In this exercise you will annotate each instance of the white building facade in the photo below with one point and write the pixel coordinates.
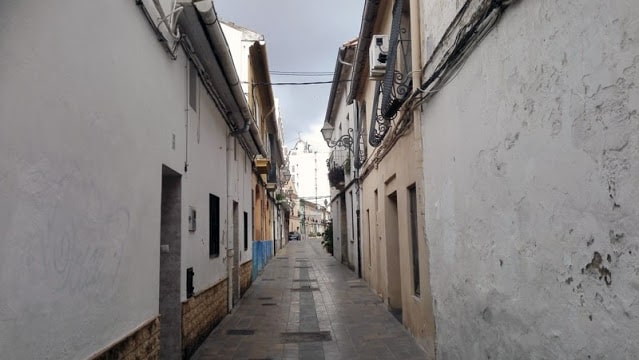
(507, 134)
(111, 183)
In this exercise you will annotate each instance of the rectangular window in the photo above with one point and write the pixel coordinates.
(412, 196)
(245, 231)
(214, 226)
(189, 282)
(192, 86)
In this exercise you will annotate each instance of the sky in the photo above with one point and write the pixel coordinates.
(300, 36)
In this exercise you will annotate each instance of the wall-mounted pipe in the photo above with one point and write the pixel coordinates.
(364, 40)
(220, 48)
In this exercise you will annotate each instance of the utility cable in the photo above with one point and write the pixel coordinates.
(295, 83)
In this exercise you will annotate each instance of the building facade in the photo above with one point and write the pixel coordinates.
(269, 216)
(127, 215)
(499, 190)
(531, 180)
(343, 134)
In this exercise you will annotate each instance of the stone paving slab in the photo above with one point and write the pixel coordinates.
(305, 305)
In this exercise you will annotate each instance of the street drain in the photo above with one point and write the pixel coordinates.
(269, 304)
(302, 337)
(305, 289)
(298, 280)
(283, 257)
(265, 298)
(303, 267)
(240, 332)
(357, 286)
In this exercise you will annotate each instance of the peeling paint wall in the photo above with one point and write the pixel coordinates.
(531, 161)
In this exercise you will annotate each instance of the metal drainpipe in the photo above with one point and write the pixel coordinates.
(357, 188)
(416, 44)
(230, 251)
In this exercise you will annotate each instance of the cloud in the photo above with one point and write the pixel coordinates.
(299, 36)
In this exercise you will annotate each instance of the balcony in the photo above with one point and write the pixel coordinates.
(262, 165)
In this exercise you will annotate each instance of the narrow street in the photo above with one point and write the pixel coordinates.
(306, 305)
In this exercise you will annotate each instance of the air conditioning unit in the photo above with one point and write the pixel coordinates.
(377, 56)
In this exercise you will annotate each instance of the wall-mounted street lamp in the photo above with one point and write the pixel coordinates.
(344, 141)
(286, 176)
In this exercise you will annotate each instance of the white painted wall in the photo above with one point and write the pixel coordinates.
(89, 102)
(530, 164)
(239, 52)
(216, 166)
(345, 118)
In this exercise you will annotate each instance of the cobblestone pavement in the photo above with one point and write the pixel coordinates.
(306, 305)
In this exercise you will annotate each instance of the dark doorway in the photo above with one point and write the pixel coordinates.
(343, 229)
(170, 257)
(359, 246)
(392, 255)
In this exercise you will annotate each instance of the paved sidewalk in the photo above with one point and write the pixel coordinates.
(306, 305)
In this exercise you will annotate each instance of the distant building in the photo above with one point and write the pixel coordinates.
(308, 167)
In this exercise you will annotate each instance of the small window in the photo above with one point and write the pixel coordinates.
(214, 226)
(192, 219)
(245, 231)
(235, 148)
(189, 282)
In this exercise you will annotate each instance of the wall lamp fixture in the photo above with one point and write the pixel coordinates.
(286, 176)
(344, 141)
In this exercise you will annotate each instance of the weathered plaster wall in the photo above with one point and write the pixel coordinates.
(531, 161)
(439, 14)
(89, 114)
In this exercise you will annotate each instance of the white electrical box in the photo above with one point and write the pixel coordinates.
(378, 55)
(192, 219)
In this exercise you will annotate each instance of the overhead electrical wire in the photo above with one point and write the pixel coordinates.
(301, 73)
(296, 83)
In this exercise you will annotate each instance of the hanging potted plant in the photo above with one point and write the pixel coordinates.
(336, 176)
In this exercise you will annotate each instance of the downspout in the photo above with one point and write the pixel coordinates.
(416, 42)
(230, 251)
(223, 54)
(416, 60)
(365, 35)
(186, 124)
(357, 190)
